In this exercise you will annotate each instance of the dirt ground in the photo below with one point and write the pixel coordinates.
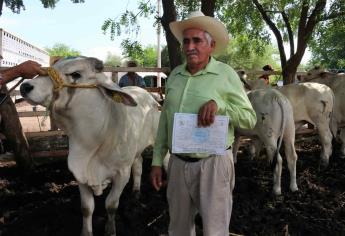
(46, 202)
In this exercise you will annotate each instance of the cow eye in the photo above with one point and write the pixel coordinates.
(75, 75)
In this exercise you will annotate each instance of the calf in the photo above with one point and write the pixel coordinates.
(274, 124)
(313, 103)
(337, 83)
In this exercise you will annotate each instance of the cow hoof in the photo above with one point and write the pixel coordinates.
(85, 233)
(277, 192)
(294, 188)
(323, 164)
(136, 195)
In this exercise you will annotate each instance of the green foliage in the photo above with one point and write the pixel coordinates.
(328, 47)
(127, 22)
(17, 5)
(150, 56)
(60, 49)
(242, 53)
(112, 60)
(132, 50)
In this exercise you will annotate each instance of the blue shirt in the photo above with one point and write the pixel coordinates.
(126, 81)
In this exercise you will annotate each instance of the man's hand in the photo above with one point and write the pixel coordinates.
(26, 70)
(156, 177)
(29, 69)
(207, 113)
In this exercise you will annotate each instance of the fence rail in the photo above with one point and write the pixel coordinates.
(114, 74)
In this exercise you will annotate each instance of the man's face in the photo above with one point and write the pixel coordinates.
(196, 47)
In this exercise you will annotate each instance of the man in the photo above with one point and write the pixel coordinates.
(132, 78)
(10, 124)
(200, 182)
(266, 78)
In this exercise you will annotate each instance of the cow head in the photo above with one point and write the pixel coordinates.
(315, 73)
(70, 76)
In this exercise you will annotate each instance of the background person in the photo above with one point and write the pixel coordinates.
(266, 77)
(132, 78)
(199, 182)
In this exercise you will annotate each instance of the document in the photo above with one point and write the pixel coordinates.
(189, 138)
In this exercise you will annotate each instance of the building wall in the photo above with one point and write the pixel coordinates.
(15, 50)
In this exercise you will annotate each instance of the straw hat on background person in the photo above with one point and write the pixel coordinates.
(198, 20)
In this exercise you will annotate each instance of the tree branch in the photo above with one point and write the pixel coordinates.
(1, 6)
(275, 30)
(207, 7)
(333, 15)
(290, 32)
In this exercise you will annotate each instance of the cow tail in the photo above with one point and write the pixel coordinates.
(333, 119)
(283, 125)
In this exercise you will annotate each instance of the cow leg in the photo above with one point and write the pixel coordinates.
(271, 150)
(112, 201)
(235, 147)
(137, 169)
(326, 142)
(87, 208)
(291, 157)
(256, 148)
(342, 140)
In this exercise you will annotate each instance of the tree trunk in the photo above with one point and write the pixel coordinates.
(207, 7)
(1, 6)
(12, 129)
(169, 15)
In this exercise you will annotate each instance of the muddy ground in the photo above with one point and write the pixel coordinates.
(47, 201)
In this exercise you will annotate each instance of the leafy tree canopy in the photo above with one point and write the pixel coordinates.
(328, 47)
(60, 49)
(242, 54)
(17, 5)
(112, 60)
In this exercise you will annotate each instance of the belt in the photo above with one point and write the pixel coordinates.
(192, 159)
(187, 159)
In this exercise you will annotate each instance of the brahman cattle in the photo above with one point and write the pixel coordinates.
(337, 83)
(108, 128)
(274, 124)
(312, 103)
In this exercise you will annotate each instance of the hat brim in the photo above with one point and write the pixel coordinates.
(214, 27)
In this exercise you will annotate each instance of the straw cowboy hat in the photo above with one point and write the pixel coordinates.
(198, 20)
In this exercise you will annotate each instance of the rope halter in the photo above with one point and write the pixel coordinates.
(60, 84)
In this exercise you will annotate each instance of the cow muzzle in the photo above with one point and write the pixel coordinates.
(25, 89)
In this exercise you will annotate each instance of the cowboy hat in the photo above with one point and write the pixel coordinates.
(198, 20)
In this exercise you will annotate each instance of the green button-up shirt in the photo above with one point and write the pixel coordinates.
(186, 93)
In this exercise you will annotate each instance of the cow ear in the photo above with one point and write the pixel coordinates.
(97, 64)
(124, 98)
(114, 91)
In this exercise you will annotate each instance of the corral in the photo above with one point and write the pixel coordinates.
(46, 202)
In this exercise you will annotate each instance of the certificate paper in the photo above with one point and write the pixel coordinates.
(189, 138)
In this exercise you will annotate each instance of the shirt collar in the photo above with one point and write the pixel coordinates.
(210, 68)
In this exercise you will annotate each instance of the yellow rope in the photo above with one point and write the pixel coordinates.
(59, 83)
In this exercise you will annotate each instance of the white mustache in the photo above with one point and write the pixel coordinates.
(192, 52)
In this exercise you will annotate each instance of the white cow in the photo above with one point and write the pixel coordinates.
(274, 124)
(108, 128)
(337, 83)
(311, 102)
